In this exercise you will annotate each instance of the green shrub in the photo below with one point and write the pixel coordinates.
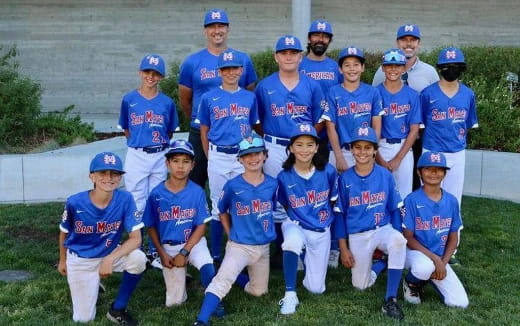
(170, 87)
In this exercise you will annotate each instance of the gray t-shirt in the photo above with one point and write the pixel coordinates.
(419, 76)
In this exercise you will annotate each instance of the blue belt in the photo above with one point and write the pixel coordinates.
(224, 149)
(320, 230)
(277, 140)
(346, 146)
(393, 140)
(153, 149)
(173, 243)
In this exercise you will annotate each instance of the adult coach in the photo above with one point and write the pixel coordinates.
(199, 74)
(418, 75)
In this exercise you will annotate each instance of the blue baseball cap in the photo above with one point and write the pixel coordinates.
(180, 146)
(215, 16)
(451, 55)
(153, 62)
(428, 159)
(394, 57)
(408, 30)
(106, 161)
(303, 129)
(229, 58)
(364, 133)
(251, 143)
(351, 51)
(288, 42)
(321, 26)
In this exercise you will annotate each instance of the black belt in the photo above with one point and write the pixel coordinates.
(346, 146)
(224, 149)
(153, 149)
(276, 140)
(393, 140)
(173, 243)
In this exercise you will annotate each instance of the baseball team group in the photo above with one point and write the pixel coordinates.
(308, 168)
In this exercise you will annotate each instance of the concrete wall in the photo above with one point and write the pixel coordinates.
(86, 52)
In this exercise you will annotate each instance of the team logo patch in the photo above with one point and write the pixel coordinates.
(435, 158)
(215, 15)
(363, 132)
(228, 56)
(64, 216)
(321, 26)
(289, 41)
(451, 54)
(109, 159)
(153, 60)
(305, 128)
(352, 51)
(408, 28)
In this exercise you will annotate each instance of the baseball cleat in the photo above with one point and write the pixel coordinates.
(199, 323)
(454, 261)
(121, 317)
(288, 304)
(156, 263)
(412, 292)
(391, 309)
(333, 258)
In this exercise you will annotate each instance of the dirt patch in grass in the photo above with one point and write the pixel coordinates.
(29, 233)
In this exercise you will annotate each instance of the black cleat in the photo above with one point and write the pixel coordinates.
(120, 317)
(391, 309)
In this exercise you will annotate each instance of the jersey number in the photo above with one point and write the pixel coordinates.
(266, 225)
(108, 243)
(156, 137)
(187, 234)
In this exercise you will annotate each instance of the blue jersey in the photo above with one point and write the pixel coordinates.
(402, 109)
(229, 115)
(93, 232)
(325, 72)
(251, 209)
(308, 201)
(431, 222)
(366, 202)
(199, 73)
(280, 109)
(176, 215)
(148, 121)
(352, 110)
(446, 120)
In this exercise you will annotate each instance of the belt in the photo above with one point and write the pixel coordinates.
(153, 149)
(309, 228)
(277, 140)
(393, 140)
(224, 149)
(173, 243)
(346, 146)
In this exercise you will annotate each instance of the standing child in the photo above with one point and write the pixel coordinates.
(175, 214)
(307, 188)
(370, 219)
(92, 225)
(225, 114)
(246, 210)
(431, 225)
(400, 121)
(148, 118)
(352, 104)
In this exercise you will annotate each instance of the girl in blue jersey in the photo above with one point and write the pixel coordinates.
(431, 224)
(307, 188)
(92, 225)
(175, 214)
(370, 219)
(246, 210)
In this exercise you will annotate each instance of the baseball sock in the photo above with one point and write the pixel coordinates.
(334, 245)
(290, 269)
(392, 282)
(128, 285)
(206, 274)
(242, 280)
(216, 231)
(410, 278)
(209, 304)
(379, 266)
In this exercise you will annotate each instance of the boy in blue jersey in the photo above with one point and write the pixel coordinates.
(225, 114)
(351, 105)
(175, 214)
(307, 189)
(400, 122)
(246, 210)
(370, 219)
(431, 224)
(92, 225)
(148, 118)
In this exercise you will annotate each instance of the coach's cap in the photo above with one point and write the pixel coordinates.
(180, 146)
(394, 57)
(351, 51)
(288, 42)
(303, 129)
(215, 16)
(251, 143)
(106, 161)
(428, 159)
(450, 55)
(229, 58)
(153, 62)
(408, 30)
(364, 133)
(321, 26)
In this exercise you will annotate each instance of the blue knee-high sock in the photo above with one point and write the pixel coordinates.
(216, 231)
(242, 280)
(410, 278)
(290, 269)
(209, 305)
(392, 282)
(279, 236)
(379, 266)
(334, 245)
(206, 274)
(128, 285)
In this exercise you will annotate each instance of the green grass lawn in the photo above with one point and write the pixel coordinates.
(489, 255)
